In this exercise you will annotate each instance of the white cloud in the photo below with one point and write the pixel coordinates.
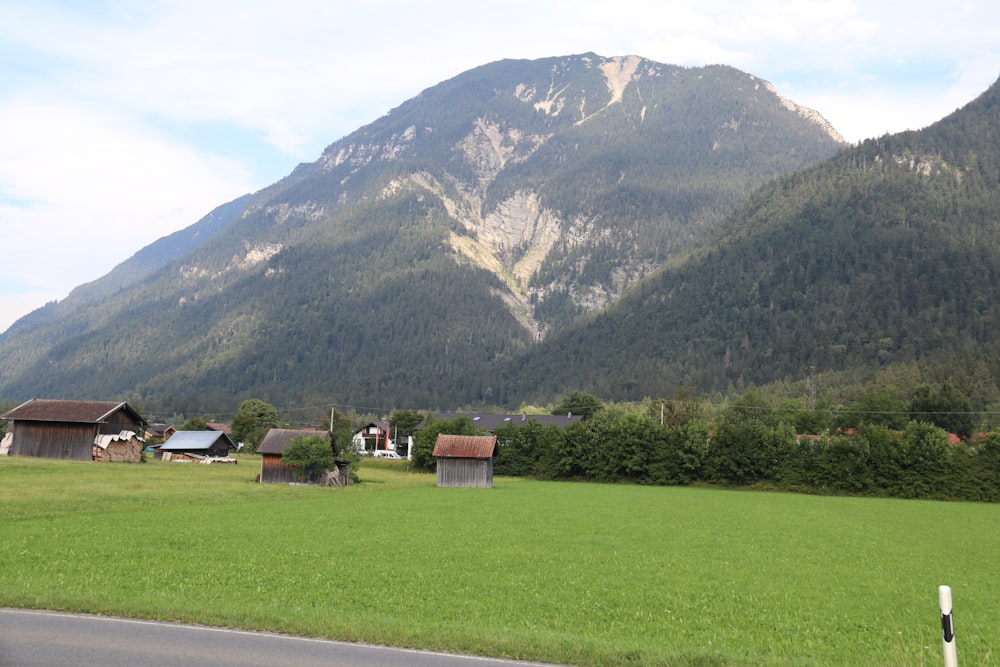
(82, 191)
(125, 120)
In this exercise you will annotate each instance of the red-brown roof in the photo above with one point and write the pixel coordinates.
(88, 412)
(465, 446)
(276, 439)
(217, 426)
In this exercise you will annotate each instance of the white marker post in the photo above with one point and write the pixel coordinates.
(947, 627)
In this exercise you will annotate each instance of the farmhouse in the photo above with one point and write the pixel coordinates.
(67, 429)
(465, 460)
(195, 446)
(159, 431)
(373, 436)
(271, 448)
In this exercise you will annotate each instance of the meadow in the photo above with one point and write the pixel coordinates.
(570, 573)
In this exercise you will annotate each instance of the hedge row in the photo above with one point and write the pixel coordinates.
(872, 460)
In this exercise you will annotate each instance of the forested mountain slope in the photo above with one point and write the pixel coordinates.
(460, 229)
(136, 268)
(887, 253)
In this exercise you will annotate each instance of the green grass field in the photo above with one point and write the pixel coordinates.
(574, 573)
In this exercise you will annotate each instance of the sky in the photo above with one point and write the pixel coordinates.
(122, 121)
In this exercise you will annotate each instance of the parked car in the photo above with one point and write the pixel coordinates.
(387, 454)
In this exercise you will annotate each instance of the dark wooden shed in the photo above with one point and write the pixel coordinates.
(465, 460)
(67, 429)
(195, 445)
(271, 447)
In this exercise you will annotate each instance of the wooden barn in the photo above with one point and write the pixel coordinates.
(67, 429)
(159, 431)
(465, 460)
(271, 447)
(195, 446)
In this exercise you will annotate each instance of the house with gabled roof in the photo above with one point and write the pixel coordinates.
(195, 446)
(271, 448)
(159, 431)
(465, 460)
(372, 437)
(64, 429)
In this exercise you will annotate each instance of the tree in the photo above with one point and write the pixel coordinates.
(683, 407)
(403, 423)
(946, 408)
(922, 454)
(309, 456)
(194, 424)
(341, 432)
(749, 444)
(252, 421)
(882, 406)
(578, 403)
(423, 445)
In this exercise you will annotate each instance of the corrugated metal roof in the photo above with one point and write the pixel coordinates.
(464, 446)
(193, 441)
(88, 412)
(276, 439)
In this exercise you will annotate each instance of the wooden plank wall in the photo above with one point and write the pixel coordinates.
(273, 471)
(476, 473)
(54, 440)
(120, 421)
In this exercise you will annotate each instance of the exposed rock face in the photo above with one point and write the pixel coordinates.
(505, 203)
(514, 236)
(805, 112)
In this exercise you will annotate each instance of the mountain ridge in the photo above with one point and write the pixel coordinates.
(459, 229)
(884, 255)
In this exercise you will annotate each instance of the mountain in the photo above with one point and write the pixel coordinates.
(886, 255)
(473, 222)
(136, 268)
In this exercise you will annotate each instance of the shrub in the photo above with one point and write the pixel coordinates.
(309, 456)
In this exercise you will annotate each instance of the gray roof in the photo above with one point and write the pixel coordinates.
(276, 439)
(195, 441)
(489, 422)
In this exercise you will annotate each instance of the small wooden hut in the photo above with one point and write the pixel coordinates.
(195, 446)
(465, 460)
(271, 448)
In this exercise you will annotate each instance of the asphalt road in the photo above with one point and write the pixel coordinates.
(49, 639)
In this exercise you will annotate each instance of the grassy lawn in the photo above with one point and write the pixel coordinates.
(583, 574)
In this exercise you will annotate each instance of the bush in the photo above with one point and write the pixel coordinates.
(423, 441)
(309, 456)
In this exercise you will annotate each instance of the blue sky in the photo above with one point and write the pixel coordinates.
(122, 121)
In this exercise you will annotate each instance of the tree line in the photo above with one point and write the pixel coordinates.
(866, 451)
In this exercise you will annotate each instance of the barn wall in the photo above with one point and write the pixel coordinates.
(477, 473)
(220, 448)
(273, 471)
(53, 440)
(120, 421)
